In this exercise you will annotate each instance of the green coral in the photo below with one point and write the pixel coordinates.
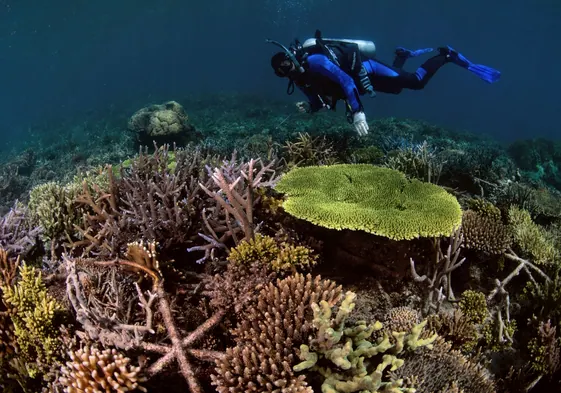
(33, 312)
(348, 358)
(491, 331)
(279, 256)
(377, 200)
(474, 306)
(535, 241)
(484, 208)
(53, 205)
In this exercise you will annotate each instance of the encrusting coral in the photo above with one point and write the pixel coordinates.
(92, 370)
(377, 200)
(267, 338)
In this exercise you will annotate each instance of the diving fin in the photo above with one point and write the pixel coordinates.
(486, 73)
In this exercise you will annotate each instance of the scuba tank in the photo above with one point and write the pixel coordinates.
(366, 48)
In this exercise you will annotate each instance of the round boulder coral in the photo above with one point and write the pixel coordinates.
(165, 123)
(373, 199)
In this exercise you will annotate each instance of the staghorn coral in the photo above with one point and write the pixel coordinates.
(369, 198)
(91, 370)
(33, 313)
(18, 235)
(267, 337)
(485, 232)
(233, 188)
(484, 208)
(280, 257)
(441, 367)
(419, 161)
(307, 150)
(347, 357)
(151, 200)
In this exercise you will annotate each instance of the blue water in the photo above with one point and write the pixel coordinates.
(65, 59)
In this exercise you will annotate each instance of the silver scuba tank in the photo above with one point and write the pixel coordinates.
(366, 48)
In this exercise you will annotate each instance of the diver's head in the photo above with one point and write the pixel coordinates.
(282, 64)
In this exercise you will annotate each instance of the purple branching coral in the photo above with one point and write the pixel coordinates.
(17, 235)
(232, 217)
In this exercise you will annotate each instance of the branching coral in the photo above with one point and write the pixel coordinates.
(269, 334)
(345, 355)
(33, 313)
(441, 367)
(92, 370)
(438, 278)
(307, 150)
(17, 233)
(485, 233)
(153, 199)
(54, 206)
(533, 240)
(280, 257)
(234, 192)
(373, 199)
(545, 350)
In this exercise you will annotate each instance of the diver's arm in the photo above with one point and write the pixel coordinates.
(314, 102)
(323, 66)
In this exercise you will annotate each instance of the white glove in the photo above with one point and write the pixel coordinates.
(360, 124)
(303, 107)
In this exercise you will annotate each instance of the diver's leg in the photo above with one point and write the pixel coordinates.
(402, 54)
(391, 80)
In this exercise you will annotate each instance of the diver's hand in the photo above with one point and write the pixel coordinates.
(360, 124)
(303, 107)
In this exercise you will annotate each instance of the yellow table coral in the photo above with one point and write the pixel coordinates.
(373, 199)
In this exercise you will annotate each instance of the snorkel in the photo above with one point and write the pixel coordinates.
(289, 53)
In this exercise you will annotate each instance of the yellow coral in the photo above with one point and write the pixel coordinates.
(33, 314)
(281, 257)
(364, 197)
(474, 306)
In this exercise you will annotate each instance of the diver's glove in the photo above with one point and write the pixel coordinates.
(304, 107)
(360, 124)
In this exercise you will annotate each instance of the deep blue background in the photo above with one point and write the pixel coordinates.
(61, 59)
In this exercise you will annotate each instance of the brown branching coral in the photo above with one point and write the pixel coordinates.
(267, 338)
(153, 199)
(143, 259)
(308, 150)
(485, 233)
(441, 367)
(91, 370)
(438, 279)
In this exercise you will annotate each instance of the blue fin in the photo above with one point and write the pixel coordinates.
(486, 73)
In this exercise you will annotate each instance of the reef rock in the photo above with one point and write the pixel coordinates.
(165, 123)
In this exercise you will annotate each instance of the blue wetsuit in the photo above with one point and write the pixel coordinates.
(324, 82)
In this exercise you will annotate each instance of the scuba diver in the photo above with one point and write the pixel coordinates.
(329, 70)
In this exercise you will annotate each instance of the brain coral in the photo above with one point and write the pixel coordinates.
(374, 199)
